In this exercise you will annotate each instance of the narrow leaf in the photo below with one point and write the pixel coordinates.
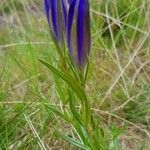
(74, 111)
(74, 142)
(68, 79)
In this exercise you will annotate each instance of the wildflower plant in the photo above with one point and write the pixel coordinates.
(69, 22)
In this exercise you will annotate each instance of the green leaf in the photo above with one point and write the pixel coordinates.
(68, 79)
(77, 88)
(61, 91)
(59, 113)
(81, 131)
(74, 142)
(74, 111)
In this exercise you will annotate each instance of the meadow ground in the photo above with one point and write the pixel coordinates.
(118, 83)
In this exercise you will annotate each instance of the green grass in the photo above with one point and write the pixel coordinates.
(118, 83)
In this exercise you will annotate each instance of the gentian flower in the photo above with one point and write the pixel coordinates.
(78, 32)
(70, 20)
(56, 13)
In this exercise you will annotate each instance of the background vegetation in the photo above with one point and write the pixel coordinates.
(118, 83)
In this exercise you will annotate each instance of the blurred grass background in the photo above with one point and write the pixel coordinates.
(118, 83)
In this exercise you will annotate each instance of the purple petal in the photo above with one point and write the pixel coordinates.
(83, 31)
(70, 22)
(47, 10)
(56, 18)
(80, 29)
(53, 4)
(69, 1)
(78, 32)
(65, 10)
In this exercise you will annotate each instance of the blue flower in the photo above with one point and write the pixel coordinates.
(78, 32)
(70, 20)
(56, 13)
